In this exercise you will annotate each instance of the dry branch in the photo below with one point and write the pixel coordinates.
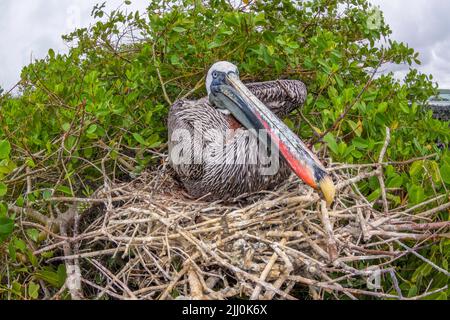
(150, 241)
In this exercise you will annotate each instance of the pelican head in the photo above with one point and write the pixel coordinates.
(227, 92)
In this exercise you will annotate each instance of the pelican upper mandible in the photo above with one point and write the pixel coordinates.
(215, 142)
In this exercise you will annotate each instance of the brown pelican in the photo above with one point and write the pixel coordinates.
(216, 143)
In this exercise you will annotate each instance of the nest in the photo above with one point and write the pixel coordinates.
(146, 239)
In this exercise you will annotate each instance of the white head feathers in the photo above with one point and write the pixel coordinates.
(221, 66)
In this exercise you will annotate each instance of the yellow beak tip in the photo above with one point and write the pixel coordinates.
(328, 189)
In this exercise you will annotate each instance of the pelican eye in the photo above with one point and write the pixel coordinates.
(215, 74)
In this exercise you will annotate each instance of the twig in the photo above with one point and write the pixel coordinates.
(431, 263)
(195, 285)
(265, 273)
(331, 245)
(272, 241)
(395, 283)
(73, 280)
(380, 170)
(166, 97)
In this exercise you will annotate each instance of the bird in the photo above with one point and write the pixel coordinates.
(233, 141)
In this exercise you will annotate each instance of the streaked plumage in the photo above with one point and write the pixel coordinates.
(220, 180)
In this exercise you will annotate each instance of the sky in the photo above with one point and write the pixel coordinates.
(425, 26)
(28, 28)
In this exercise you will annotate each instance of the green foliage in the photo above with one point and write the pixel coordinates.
(6, 227)
(104, 103)
(419, 274)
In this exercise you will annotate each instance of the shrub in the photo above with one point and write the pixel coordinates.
(100, 108)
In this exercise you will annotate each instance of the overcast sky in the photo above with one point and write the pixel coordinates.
(28, 28)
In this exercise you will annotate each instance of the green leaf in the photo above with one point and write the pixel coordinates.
(6, 227)
(33, 234)
(20, 245)
(16, 288)
(374, 195)
(30, 163)
(289, 123)
(416, 168)
(382, 107)
(139, 138)
(3, 189)
(404, 107)
(7, 166)
(396, 199)
(339, 81)
(12, 251)
(416, 194)
(445, 173)
(357, 154)
(175, 60)
(66, 126)
(33, 290)
(331, 142)
(422, 271)
(20, 201)
(324, 64)
(412, 291)
(54, 277)
(5, 149)
(414, 107)
(356, 127)
(3, 209)
(342, 147)
(332, 92)
(51, 53)
(433, 170)
(65, 190)
(214, 44)
(92, 128)
(360, 143)
(46, 194)
(179, 29)
(48, 276)
(395, 181)
(62, 274)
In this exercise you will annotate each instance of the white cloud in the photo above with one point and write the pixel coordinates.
(28, 28)
(425, 26)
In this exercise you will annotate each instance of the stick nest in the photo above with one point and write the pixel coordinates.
(146, 239)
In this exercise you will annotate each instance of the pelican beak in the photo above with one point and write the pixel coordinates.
(328, 189)
(228, 92)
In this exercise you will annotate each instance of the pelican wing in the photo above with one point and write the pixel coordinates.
(280, 96)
